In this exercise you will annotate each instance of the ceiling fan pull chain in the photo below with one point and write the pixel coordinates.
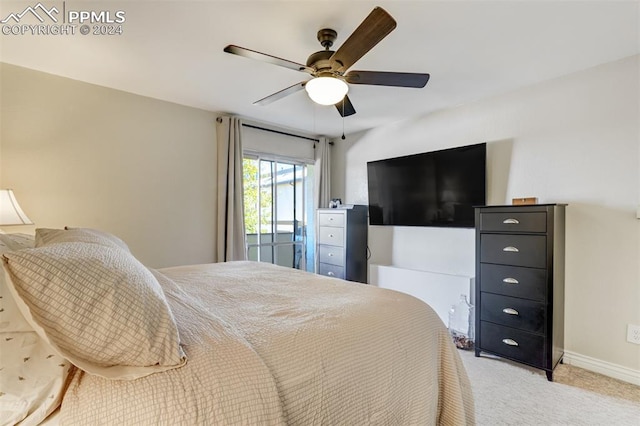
(343, 102)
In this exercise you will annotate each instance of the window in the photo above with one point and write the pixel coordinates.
(278, 206)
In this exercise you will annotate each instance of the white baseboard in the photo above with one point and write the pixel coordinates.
(602, 367)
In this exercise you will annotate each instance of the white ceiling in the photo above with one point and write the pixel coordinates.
(173, 50)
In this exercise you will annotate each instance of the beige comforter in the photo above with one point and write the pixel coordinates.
(272, 345)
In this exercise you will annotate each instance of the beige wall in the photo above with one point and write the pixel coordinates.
(570, 140)
(83, 155)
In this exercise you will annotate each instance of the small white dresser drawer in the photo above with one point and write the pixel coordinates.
(331, 236)
(332, 270)
(331, 254)
(331, 219)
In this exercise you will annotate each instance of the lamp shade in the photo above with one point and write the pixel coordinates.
(10, 211)
(326, 90)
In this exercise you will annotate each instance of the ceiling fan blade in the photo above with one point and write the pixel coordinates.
(281, 94)
(253, 54)
(374, 28)
(383, 78)
(345, 107)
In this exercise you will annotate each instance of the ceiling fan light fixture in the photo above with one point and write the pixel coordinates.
(326, 90)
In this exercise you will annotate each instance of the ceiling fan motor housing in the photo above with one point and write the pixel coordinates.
(320, 60)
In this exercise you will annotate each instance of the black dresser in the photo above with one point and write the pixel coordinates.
(342, 243)
(520, 283)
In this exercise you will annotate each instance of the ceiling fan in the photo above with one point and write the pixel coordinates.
(330, 69)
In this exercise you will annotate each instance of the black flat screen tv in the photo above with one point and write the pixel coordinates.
(438, 188)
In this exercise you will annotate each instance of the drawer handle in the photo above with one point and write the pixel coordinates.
(511, 249)
(511, 221)
(330, 273)
(330, 254)
(330, 219)
(510, 281)
(330, 235)
(510, 342)
(510, 311)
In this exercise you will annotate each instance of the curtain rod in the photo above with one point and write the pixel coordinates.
(279, 132)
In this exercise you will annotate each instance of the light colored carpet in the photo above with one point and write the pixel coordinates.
(508, 393)
(594, 382)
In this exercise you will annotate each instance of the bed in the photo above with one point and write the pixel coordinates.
(236, 343)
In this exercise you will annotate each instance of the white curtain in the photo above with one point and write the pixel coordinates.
(322, 172)
(230, 221)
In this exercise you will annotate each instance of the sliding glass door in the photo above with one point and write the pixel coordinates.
(278, 208)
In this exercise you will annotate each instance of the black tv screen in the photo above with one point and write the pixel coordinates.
(436, 188)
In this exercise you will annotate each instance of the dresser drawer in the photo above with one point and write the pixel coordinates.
(513, 312)
(512, 343)
(331, 270)
(331, 254)
(514, 222)
(331, 236)
(516, 250)
(331, 219)
(528, 283)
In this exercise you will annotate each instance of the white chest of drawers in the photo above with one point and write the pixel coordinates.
(342, 243)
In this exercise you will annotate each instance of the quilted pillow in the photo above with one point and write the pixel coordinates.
(45, 236)
(98, 306)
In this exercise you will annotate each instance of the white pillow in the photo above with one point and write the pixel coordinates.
(46, 236)
(32, 375)
(11, 319)
(98, 306)
(33, 378)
